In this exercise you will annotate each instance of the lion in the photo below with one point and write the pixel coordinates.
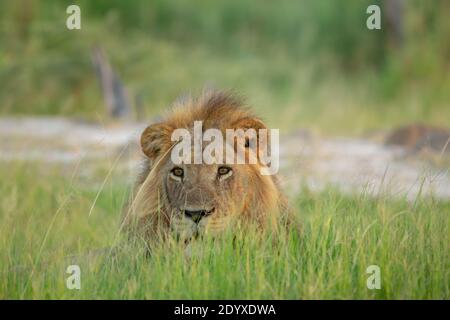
(190, 200)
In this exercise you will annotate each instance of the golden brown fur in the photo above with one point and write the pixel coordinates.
(158, 202)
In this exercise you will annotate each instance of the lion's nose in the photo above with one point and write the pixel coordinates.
(197, 215)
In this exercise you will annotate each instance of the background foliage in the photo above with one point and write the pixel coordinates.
(308, 63)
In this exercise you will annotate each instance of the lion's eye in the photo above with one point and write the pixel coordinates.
(178, 172)
(223, 170)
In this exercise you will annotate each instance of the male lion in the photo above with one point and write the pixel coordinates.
(195, 199)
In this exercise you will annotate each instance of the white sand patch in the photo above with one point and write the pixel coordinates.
(351, 165)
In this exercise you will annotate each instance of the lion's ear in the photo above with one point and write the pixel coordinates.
(155, 139)
(257, 125)
(250, 123)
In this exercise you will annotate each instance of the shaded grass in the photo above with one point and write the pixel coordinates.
(44, 219)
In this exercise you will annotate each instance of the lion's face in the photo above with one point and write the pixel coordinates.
(203, 198)
(194, 199)
(200, 197)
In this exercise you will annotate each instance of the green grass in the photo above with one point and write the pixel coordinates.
(44, 217)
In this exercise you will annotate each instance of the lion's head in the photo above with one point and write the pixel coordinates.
(192, 199)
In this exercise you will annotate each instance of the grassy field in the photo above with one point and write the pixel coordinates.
(44, 219)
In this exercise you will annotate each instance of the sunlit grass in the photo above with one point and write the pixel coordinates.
(45, 226)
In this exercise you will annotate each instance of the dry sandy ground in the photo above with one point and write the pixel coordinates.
(351, 165)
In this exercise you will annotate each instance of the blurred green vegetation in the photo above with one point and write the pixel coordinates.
(300, 63)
